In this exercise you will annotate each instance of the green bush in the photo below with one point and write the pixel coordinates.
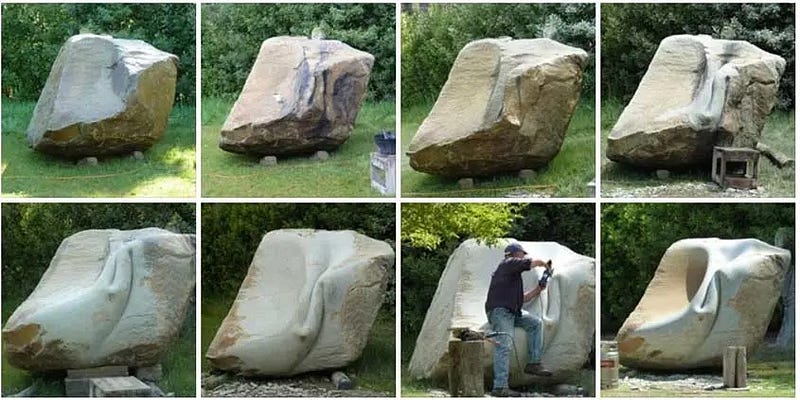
(631, 34)
(232, 36)
(32, 232)
(572, 225)
(635, 236)
(34, 33)
(232, 232)
(432, 39)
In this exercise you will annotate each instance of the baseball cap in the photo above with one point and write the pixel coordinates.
(514, 247)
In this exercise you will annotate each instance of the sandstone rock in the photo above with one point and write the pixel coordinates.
(307, 304)
(109, 297)
(302, 95)
(566, 308)
(706, 294)
(505, 107)
(698, 93)
(104, 96)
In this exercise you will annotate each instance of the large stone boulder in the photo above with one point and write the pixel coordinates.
(302, 95)
(104, 96)
(109, 297)
(566, 308)
(307, 303)
(706, 294)
(698, 93)
(505, 107)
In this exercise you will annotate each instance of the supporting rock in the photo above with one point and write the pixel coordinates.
(88, 161)
(321, 155)
(662, 174)
(138, 155)
(466, 183)
(734, 367)
(151, 373)
(123, 386)
(528, 175)
(341, 381)
(268, 161)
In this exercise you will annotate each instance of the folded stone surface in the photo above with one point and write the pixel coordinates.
(698, 93)
(307, 303)
(109, 297)
(505, 107)
(302, 95)
(566, 308)
(104, 96)
(706, 294)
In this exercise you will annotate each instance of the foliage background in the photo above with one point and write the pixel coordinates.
(33, 231)
(232, 35)
(237, 230)
(635, 236)
(572, 225)
(631, 34)
(34, 33)
(431, 40)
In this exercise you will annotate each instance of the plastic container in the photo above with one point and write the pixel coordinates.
(385, 140)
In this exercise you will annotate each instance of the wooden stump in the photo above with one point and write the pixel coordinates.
(734, 367)
(466, 368)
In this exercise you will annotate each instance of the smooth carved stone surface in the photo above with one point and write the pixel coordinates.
(566, 308)
(307, 303)
(104, 96)
(302, 95)
(706, 294)
(698, 93)
(109, 297)
(505, 107)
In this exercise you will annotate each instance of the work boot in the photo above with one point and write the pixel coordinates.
(505, 392)
(537, 369)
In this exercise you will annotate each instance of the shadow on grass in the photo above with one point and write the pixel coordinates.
(619, 180)
(567, 175)
(168, 170)
(178, 365)
(374, 370)
(345, 174)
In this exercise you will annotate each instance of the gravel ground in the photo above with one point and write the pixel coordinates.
(675, 382)
(707, 189)
(303, 386)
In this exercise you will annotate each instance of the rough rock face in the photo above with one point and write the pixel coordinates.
(698, 93)
(307, 304)
(566, 309)
(505, 107)
(302, 95)
(104, 96)
(109, 297)
(706, 294)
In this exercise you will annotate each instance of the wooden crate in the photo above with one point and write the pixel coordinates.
(735, 167)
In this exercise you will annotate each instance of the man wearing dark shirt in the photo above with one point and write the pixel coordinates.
(504, 309)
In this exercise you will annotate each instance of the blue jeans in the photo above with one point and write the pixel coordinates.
(504, 321)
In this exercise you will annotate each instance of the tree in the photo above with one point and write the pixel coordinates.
(427, 225)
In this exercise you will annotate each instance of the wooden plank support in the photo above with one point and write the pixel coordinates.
(465, 375)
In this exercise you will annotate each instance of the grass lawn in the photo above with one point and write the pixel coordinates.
(770, 373)
(178, 365)
(566, 176)
(167, 172)
(374, 370)
(345, 174)
(617, 178)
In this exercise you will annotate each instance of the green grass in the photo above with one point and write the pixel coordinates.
(566, 176)
(770, 373)
(168, 171)
(178, 365)
(345, 174)
(374, 370)
(778, 133)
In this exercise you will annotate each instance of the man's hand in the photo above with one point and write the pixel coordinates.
(539, 263)
(531, 294)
